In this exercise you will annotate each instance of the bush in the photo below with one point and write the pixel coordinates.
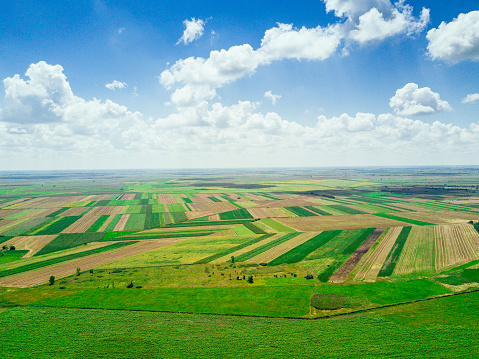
(309, 276)
(130, 285)
(263, 264)
(12, 248)
(250, 279)
(51, 281)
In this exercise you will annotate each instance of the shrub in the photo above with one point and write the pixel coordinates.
(250, 279)
(130, 285)
(51, 281)
(309, 276)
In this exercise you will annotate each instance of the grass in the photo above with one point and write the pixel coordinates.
(402, 219)
(179, 216)
(69, 240)
(265, 247)
(393, 256)
(410, 331)
(278, 301)
(384, 293)
(136, 222)
(300, 252)
(11, 256)
(236, 214)
(48, 262)
(243, 231)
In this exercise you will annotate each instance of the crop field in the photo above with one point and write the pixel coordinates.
(287, 245)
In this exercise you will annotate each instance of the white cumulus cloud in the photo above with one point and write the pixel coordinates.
(372, 20)
(456, 41)
(271, 96)
(471, 98)
(116, 85)
(193, 30)
(285, 42)
(412, 100)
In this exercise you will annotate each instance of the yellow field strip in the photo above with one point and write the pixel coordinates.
(369, 269)
(455, 245)
(275, 252)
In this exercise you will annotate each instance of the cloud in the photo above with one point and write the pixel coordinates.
(43, 112)
(374, 26)
(471, 98)
(39, 99)
(121, 30)
(193, 30)
(205, 135)
(455, 41)
(269, 95)
(412, 100)
(373, 20)
(199, 77)
(196, 79)
(116, 85)
(285, 42)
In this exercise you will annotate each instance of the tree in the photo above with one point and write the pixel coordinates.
(78, 271)
(12, 248)
(232, 259)
(250, 279)
(51, 281)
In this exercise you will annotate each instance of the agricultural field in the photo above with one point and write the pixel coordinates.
(304, 245)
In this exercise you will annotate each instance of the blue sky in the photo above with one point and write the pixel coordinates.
(238, 84)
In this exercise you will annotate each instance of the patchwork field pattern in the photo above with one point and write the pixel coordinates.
(350, 237)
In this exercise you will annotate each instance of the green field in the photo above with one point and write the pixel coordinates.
(226, 283)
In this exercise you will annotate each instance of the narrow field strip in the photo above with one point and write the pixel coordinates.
(263, 247)
(370, 269)
(269, 254)
(277, 226)
(241, 252)
(393, 256)
(40, 276)
(233, 249)
(455, 245)
(403, 219)
(418, 254)
(301, 251)
(342, 273)
(49, 262)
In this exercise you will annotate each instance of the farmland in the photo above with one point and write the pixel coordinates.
(281, 244)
